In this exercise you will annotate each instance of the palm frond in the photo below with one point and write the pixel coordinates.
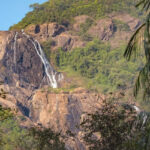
(143, 81)
(145, 3)
(139, 3)
(147, 39)
(139, 40)
(135, 42)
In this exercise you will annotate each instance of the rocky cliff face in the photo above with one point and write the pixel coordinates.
(115, 29)
(23, 67)
(21, 61)
(64, 111)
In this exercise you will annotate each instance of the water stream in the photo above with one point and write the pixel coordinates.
(51, 74)
(142, 114)
(14, 48)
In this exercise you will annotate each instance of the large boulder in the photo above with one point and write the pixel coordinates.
(115, 29)
(56, 34)
(45, 31)
(104, 29)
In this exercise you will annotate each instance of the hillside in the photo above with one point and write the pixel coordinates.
(64, 11)
(86, 40)
(91, 51)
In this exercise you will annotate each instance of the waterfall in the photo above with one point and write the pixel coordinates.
(14, 47)
(48, 68)
(142, 114)
(50, 72)
(137, 109)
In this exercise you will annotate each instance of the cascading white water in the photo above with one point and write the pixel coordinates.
(50, 72)
(143, 114)
(48, 68)
(137, 109)
(14, 47)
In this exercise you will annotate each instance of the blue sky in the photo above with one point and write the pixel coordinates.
(12, 11)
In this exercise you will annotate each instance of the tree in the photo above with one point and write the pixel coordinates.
(141, 41)
(109, 128)
(46, 139)
(141, 138)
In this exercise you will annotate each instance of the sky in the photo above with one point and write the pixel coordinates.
(12, 11)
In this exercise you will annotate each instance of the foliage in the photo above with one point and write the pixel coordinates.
(117, 127)
(84, 28)
(13, 136)
(121, 25)
(141, 138)
(63, 11)
(99, 64)
(47, 45)
(5, 113)
(109, 127)
(141, 41)
(46, 139)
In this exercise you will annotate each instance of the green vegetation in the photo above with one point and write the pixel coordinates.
(5, 113)
(63, 11)
(116, 127)
(101, 66)
(59, 90)
(15, 137)
(46, 139)
(111, 124)
(121, 25)
(47, 45)
(12, 136)
(84, 28)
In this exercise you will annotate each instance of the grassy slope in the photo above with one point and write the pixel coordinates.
(101, 67)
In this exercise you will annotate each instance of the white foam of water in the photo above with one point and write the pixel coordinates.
(51, 74)
(137, 109)
(144, 115)
(60, 77)
(144, 118)
(14, 47)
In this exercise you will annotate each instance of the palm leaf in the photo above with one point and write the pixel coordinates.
(143, 81)
(139, 3)
(139, 40)
(145, 3)
(135, 42)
